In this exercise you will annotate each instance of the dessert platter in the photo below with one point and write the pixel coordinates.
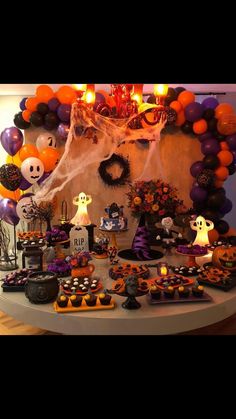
(75, 303)
(80, 286)
(217, 277)
(130, 287)
(192, 251)
(182, 294)
(186, 270)
(15, 281)
(174, 281)
(122, 271)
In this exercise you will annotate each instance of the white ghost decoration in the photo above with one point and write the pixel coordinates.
(24, 208)
(201, 226)
(46, 140)
(32, 169)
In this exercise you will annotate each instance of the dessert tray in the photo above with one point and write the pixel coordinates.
(186, 270)
(217, 278)
(84, 307)
(177, 299)
(15, 281)
(80, 286)
(174, 280)
(122, 271)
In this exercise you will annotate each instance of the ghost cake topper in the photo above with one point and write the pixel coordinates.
(81, 218)
(201, 226)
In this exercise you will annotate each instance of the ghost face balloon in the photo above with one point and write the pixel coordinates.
(24, 208)
(32, 169)
(46, 140)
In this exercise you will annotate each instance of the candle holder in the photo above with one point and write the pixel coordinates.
(64, 213)
(162, 269)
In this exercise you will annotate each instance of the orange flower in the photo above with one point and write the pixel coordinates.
(165, 190)
(149, 198)
(137, 200)
(155, 207)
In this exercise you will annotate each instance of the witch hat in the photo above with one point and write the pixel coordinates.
(140, 245)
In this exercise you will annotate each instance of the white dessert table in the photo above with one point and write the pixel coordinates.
(148, 320)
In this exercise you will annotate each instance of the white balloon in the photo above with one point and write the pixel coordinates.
(46, 140)
(32, 169)
(24, 209)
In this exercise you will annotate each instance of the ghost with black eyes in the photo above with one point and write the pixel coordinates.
(32, 169)
(201, 226)
(81, 217)
(46, 140)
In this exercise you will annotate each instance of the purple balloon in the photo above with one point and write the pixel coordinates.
(53, 104)
(205, 136)
(63, 131)
(210, 102)
(22, 104)
(197, 168)
(210, 146)
(44, 177)
(226, 207)
(8, 211)
(12, 140)
(231, 141)
(63, 112)
(24, 185)
(194, 111)
(198, 194)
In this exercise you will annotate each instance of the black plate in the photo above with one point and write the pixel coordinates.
(13, 288)
(177, 299)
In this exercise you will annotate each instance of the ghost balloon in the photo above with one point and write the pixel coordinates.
(32, 169)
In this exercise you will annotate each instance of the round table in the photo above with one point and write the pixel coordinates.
(148, 320)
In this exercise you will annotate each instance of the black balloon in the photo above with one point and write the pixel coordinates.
(208, 114)
(51, 120)
(211, 161)
(187, 127)
(211, 215)
(10, 176)
(19, 121)
(212, 124)
(222, 227)
(206, 178)
(152, 99)
(179, 90)
(216, 200)
(231, 168)
(36, 119)
(199, 207)
(219, 137)
(171, 115)
(171, 96)
(42, 108)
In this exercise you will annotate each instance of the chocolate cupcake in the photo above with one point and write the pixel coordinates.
(197, 290)
(76, 300)
(62, 300)
(169, 292)
(155, 292)
(105, 298)
(183, 292)
(90, 300)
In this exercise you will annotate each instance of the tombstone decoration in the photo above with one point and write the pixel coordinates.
(79, 240)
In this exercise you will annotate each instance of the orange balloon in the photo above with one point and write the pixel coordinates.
(218, 183)
(224, 145)
(50, 158)
(44, 93)
(223, 109)
(32, 103)
(14, 159)
(26, 115)
(225, 157)
(28, 150)
(213, 235)
(66, 95)
(180, 119)
(176, 105)
(226, 124)
(186, 97)
(199, 127)
(5, 193)
(222, 173)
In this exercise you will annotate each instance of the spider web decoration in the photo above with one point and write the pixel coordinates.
(93, 138)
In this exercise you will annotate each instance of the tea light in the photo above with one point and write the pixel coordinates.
(160, 91)
(162, 269)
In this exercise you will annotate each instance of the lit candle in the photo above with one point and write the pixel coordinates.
(138, 93)
(80, 90)
(162, 269)
(90, 94)
(138, 98)
(160, 91)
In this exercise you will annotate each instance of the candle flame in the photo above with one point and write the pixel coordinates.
(160, 89)
(89, 97)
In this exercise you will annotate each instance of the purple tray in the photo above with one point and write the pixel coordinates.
(191, 299)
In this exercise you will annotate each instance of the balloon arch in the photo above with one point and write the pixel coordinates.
(214, 125)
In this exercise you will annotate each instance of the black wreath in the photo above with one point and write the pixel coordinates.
(107, 178)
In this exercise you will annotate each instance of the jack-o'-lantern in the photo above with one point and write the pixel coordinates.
(225, 257)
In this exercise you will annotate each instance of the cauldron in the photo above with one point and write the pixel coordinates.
(42, 287)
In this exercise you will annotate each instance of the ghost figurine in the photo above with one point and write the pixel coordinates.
(81, 218)
(46, 140)
(201, 226)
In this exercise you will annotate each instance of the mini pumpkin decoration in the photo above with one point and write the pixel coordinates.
(225, 257)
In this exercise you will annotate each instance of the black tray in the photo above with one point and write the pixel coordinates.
(177, 299)
(218, 285)
(13, 288)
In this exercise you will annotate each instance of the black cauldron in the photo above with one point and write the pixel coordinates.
(42, 287)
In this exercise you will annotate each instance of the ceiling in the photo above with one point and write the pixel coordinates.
(29, 89)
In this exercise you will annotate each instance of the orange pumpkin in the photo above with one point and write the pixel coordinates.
(225, 257)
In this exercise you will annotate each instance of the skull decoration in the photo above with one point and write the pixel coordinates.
(46, 140)
(32, 169)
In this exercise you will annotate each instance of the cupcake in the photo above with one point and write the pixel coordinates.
(169, 292)
(76, 300)
(197, 290)
(183, 292)
(104, 298)
(62, 300)
(155, 292)
(90, 299)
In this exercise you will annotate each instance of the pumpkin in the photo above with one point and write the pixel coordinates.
(225, 257)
